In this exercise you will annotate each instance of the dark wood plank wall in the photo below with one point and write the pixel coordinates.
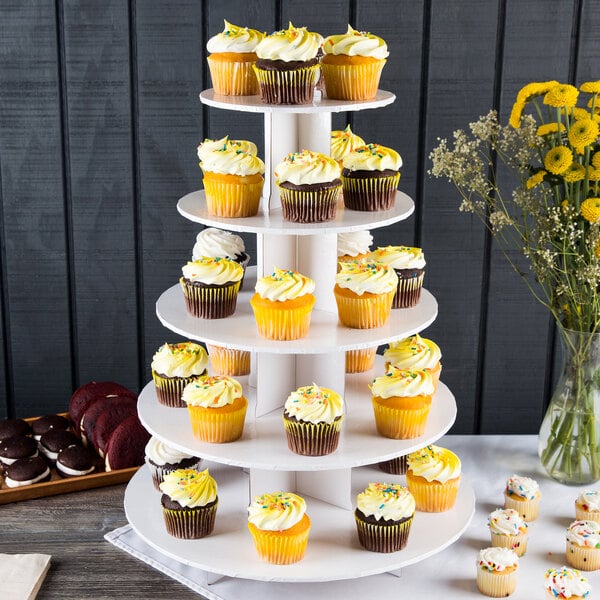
(99, 123)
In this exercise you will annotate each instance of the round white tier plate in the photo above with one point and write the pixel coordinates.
(193, 207)
(320, 104)
(333, 550)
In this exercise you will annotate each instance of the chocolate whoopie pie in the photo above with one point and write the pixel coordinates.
(74, 461)
(18, 446)
(47, 423)
(11, 427)
(27, 471)
(52, 442)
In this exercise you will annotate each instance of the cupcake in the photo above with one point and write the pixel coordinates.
(162, 459)
(401, 402)
(312, 418)
(583, 545)
(344, 141)
(309, 184)
(587, 506)
(384, 514)
(508, 530)
(497, 572)
(216, 407)
(279, 527)
(216, 243)
(352, 64)
(364, 293)
(353, 245)
(370, 178)
(409, 264)
(231, 60)
(189, 503)
(210, 287)
(225, 143)
(415, 352)
(359, 361)
(173, 367)
(523, 494)
(566, 583)
(229, 361)
(394, 466)
(282, 305)
(287, 68)
(433, 477)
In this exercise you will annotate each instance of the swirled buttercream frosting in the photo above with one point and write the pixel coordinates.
(403, 383)
(372, 157)
(399, 257)
(291, 44)
(413, 352)
(232, 162)
(307, 168)
(566, 583)
(314, 404)
(213, 391)
(525, 487)
(354, 243)
(506, 521)
(217, 243)
(190, 488)
(208, 146)
(589, 500)
(387, 501)
(434, 463)
(276, 511)
(356, 43)
(162, 454)
(209, 270)
(282, 285)
(180, 360)
(497, 559)
(343, 142)
(584, 533)
(234, 39)
(361, 277)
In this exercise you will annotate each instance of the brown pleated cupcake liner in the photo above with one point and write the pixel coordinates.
(158, 472)
(232, 200)
(210, 302)
(308, 206)
(364, 312)
(382, 538)
(229, 361)
(233, 78)
(190, 524)
(287, 87)
(359, 361)
(312, 439)
(496, 584)
(394, 466)
(370, 193)
(352, 82)
(169, 389)
(408, 293)
(516, 543)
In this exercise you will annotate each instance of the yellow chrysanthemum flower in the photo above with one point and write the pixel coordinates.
(535, 179)
(548, 128)
(525, 94)
(575, 172)
(558, 160)
(596, 160)
(515, 115)
(594, 174)
(583, 132)
(590, 209)
(582, 114)
(590, 87)
(562, 95)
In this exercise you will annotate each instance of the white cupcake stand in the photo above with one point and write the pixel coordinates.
(260, 461)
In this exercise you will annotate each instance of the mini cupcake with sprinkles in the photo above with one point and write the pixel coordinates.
(508, 530)
(497, 572)
(583, 545)
(566, 583)
(587, 506)
(523, 495)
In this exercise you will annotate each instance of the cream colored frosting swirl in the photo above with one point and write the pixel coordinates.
(589, 499)
(307, 168)
(356, 43)
(293, 43)
(344, 142)
(584, 533)
(372, 157)
(282, 285)
(314, 404)
(413, 352)
(403, 383)
(434, 463)
(232, 162)
(211, 270)
(387, 501)
(276, 511)
(235, 39)
(361, 277)
(354, 243)
(399, 257)
(190, 488)
(497, 559)
(506, 521)
(212, 391)
(217, 243)
(162, 454)
(566, 583)
(522, 486)
(208, 146)
(180, 360)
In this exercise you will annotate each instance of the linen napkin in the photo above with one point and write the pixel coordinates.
(21, 575)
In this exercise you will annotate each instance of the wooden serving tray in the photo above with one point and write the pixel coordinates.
(64, 485)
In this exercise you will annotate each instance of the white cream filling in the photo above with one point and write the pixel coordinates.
(12, 483)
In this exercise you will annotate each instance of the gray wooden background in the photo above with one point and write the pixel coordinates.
(99, 123)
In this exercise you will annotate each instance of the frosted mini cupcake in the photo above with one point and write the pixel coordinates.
(162, 459)
(583, 545)
(508, 530)
(523, 495)
(566, 583)
(497, 572)
(415, 352)
(587, 506)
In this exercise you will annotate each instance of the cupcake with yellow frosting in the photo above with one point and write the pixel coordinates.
(344, 141)
(370, 178)
(352, 64)
(433, 477)
(279, 527)
(312, 417)
(587, 506)
(401, 403)
(232, 55)
(189, 503)
(288, 67)
(497, 572)
(225, 143)
(384, 515)
(508, 530)
(210, 287)
(523, 495)
(364, 293)
(565, 583)
(415, 352)
(173, 367)
(282, 305)
(409, 264)
(217, 408)
(583, 545)
(309, 184)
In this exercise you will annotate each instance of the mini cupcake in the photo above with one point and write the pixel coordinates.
(508, 530)
(312, 417)
(566, 583)
(583, 545)
(189, 503)
(587, 506)
(229, 361)
(384, 515)
(287, 68)
(173, 367)
(231, 60)
(401, 403)
(415, 352)
(523, 494)
(359, 361)
(353, 245)
(497, 572)
(210, 287)
(216, 407)
(352, 64)
(370, 178)
(394, 466)
(162, 459)
(364, 293)
(282, 305)
(433, 477)
(409, 264)
(279, 527)
(309, 184)
(216, 243)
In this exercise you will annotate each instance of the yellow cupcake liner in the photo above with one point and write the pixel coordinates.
(280, 548)
(299, 206)
(516, 543)
(528, 509)
(352, 82)
(383, 537)
(496, 584)
(216, 302)
(586, 515)
(281, 323)
(432, 496)
(230, 199)
(408, 293)
(399, 423)
(394, 466)
(583, 558)
(364, 313)
(359, 361)
(370, 193)
(287, 87)
(312, 439)
(233, 78)
(169, 389)
(217, 426)
(229, 361)
(190, 524)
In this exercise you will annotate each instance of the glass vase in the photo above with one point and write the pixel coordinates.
(569, 438)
